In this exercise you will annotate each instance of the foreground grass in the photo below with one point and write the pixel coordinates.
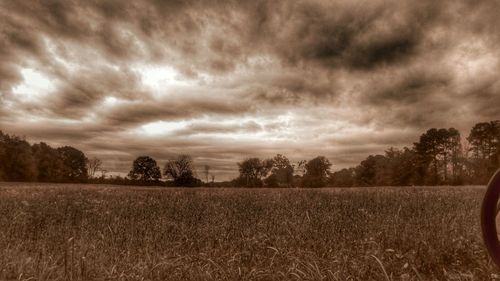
(79, 232)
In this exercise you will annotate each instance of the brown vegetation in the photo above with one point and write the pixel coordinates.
(83, 232)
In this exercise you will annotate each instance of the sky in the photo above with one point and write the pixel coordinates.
(226, 80)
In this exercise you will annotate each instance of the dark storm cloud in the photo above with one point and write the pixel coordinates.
(291, 89)
(175, 109)
(355, 35)
(88, 88)
(339, 78)
(358, 34)
(409, 87)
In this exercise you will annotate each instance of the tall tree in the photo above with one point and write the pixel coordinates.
(484, 141)
(403, 166)
(16, 159)
(453, 156)
(436, 149)
(317, 172)
(145, 169)
(395, 168)
(75, 164)
(252, 170)
(373, 171)
(281, 172)
(49, 163)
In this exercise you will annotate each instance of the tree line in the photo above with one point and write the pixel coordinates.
(439, 157)
(20, 161)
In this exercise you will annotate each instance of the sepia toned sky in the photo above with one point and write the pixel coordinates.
(225, 80)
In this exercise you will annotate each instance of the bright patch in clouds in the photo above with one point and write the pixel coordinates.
(35, 85)
(159, 78)
(472, 60)
(241, 129)
(111, 101)
(162, 127)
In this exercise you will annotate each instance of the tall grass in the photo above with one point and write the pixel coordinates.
(79, 232)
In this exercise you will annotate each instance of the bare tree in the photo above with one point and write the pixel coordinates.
(300, 167)
(181, 170)
(94, 165)
(206, 171)
(178, 167)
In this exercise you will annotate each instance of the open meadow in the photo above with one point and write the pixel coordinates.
(85, 232)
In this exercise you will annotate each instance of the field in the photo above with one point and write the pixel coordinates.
(83, 232)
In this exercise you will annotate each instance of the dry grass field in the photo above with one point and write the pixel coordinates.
(83, 232)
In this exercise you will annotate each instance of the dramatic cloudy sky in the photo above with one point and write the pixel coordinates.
(224, 80)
